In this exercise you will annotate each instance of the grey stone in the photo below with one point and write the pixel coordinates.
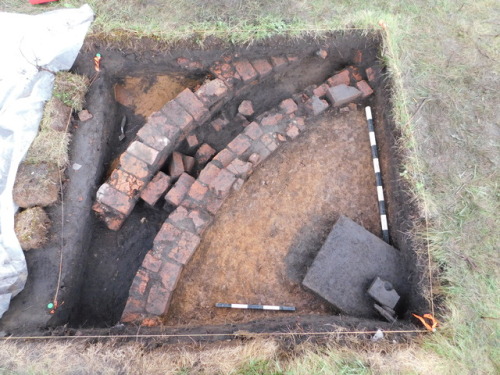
(318, 105)
(342, 94)
(346, 265)
(386, 313)
(383, 292)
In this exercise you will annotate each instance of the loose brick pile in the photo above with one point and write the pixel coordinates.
(196, 201)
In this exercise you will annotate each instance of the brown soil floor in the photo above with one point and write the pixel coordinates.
(266, 235)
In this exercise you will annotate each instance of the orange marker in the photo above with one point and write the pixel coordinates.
(97, 62)
(433, 322)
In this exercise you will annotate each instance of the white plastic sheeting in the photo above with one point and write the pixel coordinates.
(33, 48)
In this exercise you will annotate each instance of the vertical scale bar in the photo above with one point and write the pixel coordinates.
(378, 176)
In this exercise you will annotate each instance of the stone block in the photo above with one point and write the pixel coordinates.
(212, 92)
(342, 94)
(191, 104)
(176, 165)
(144, 153)
(341, 78)
(365, 88)
(125, 183)
(246, 108)
(383, 292)
(245, 70)
(317, 105)
(262, 67)
(346, 265)
(177, 193)
(288, 106)
(155, 189)
(253, 131)
(204, 154)
(239, 144)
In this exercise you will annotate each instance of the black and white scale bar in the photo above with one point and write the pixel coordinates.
(255, 307)
(378, 176)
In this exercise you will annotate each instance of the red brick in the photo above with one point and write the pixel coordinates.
(158, 299)
(292, 58)
(365, 88)
(188, 162)
(112, 218)
(223, 182)
(150, 134)
(245, 70)
(340, 78)
(239, 144)
(144, 153)
(269, 142)
(130, 318)
(204, 154)
(185, 248)
(321, 90)
(219, 123)
(134, 166)
(322, 53)
(125, 183)
(240, 168)
(188, 100)
(209, 173)
(246, 108)
(155, 189)
(176, 115)
(253, 131)
(167, 233)
(186, 63)
(134, 305)
(226, 156)
(197, 191)
(358, 57)
(271, 120)
(254, 159)
(140, 282)
(211, 92)
(111, 197)
(288, 106)
(279, 62)
(192, 141)
(262, 67)
(170, 274)
(226, 72)
(200, 219)
(292, 131)
(177, 193)
(151, 262)
(354, 73)
(176, 165)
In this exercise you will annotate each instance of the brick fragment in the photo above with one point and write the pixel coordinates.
(262, 67)
(239, 144)
(358, 57)
(190, 64)
(170, 274)
(223, 182)
(279, 63)
(320, 91)
(238, 184)
(292, 131)
(151, 262)
(140, 282)
(112, 218)
(176, 165)
(269, 142)
(246, 108)
(190, 102)
(322, 53)
(144, 153)
(126, 183)
(365, 88)
(155, 189)
(134, 305)
(211, 92)
(317, 105)
(226, 156)
(115, 199)
(354, 73)
(280, 137)
(185, 248)
(300, 122)
(292, 58)
(240, 168)
(340, 78)
(177, 193)
(158, 299)
(201, 219)
(253, 131)
(219, 123)
(177, 115)
(197, 191)
(226, 72)
(254, 158)
(342, 94)
(245, 70)
(271, 120)
(204, 154)
(209, 173)
(192, 142)
(188, 162)
(288, 106)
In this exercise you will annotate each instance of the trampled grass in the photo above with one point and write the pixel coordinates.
(444, 60)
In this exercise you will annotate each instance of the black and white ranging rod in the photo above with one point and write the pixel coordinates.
(378, 176)
(255, 307)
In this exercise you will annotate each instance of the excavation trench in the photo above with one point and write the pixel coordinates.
(266, 235)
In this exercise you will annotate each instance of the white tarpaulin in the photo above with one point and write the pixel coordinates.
(33, 47)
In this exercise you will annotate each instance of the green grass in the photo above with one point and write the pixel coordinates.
(444, 59)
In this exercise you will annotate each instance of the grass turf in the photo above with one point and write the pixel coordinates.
(444, 59)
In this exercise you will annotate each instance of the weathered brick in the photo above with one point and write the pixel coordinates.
(223, 182)
(262, 67)
(288, 106)
(246, 108)
(204, 154)
(211, 92)
(190, 102)
(134, 166)
(177, 193)
(125, 183)
(219, 123)
(292, 58)
(197, 191)
(170, 274)
(254, 159)
(140, 282)
(177, 115)
(354, 73)
(239, 144)
(271, 119)
(212, 202)
(155, 189)
(151, 135)
(144, 153)
(342, 94)
(185, 248)
(322, 53)
(279, 62)
(209, 173)
(280, 137)
(292, 131)
(300, 122)
(245, 70)
(317, 105)
(341, 78)
(201, 220)
(253, 131)
(240, 168)
(151, 262)
(365, 88)
(115, 199)
(225, 156)
(238, 184)
(176, 165)
(180, 219)
(269, 142)
(320, 91)
(226, 72)
(158, 299)
(167, 233)
(112, 218)
(358, 57)
(190, 64)
(134, 305)
(192, 142)
(188, 162)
